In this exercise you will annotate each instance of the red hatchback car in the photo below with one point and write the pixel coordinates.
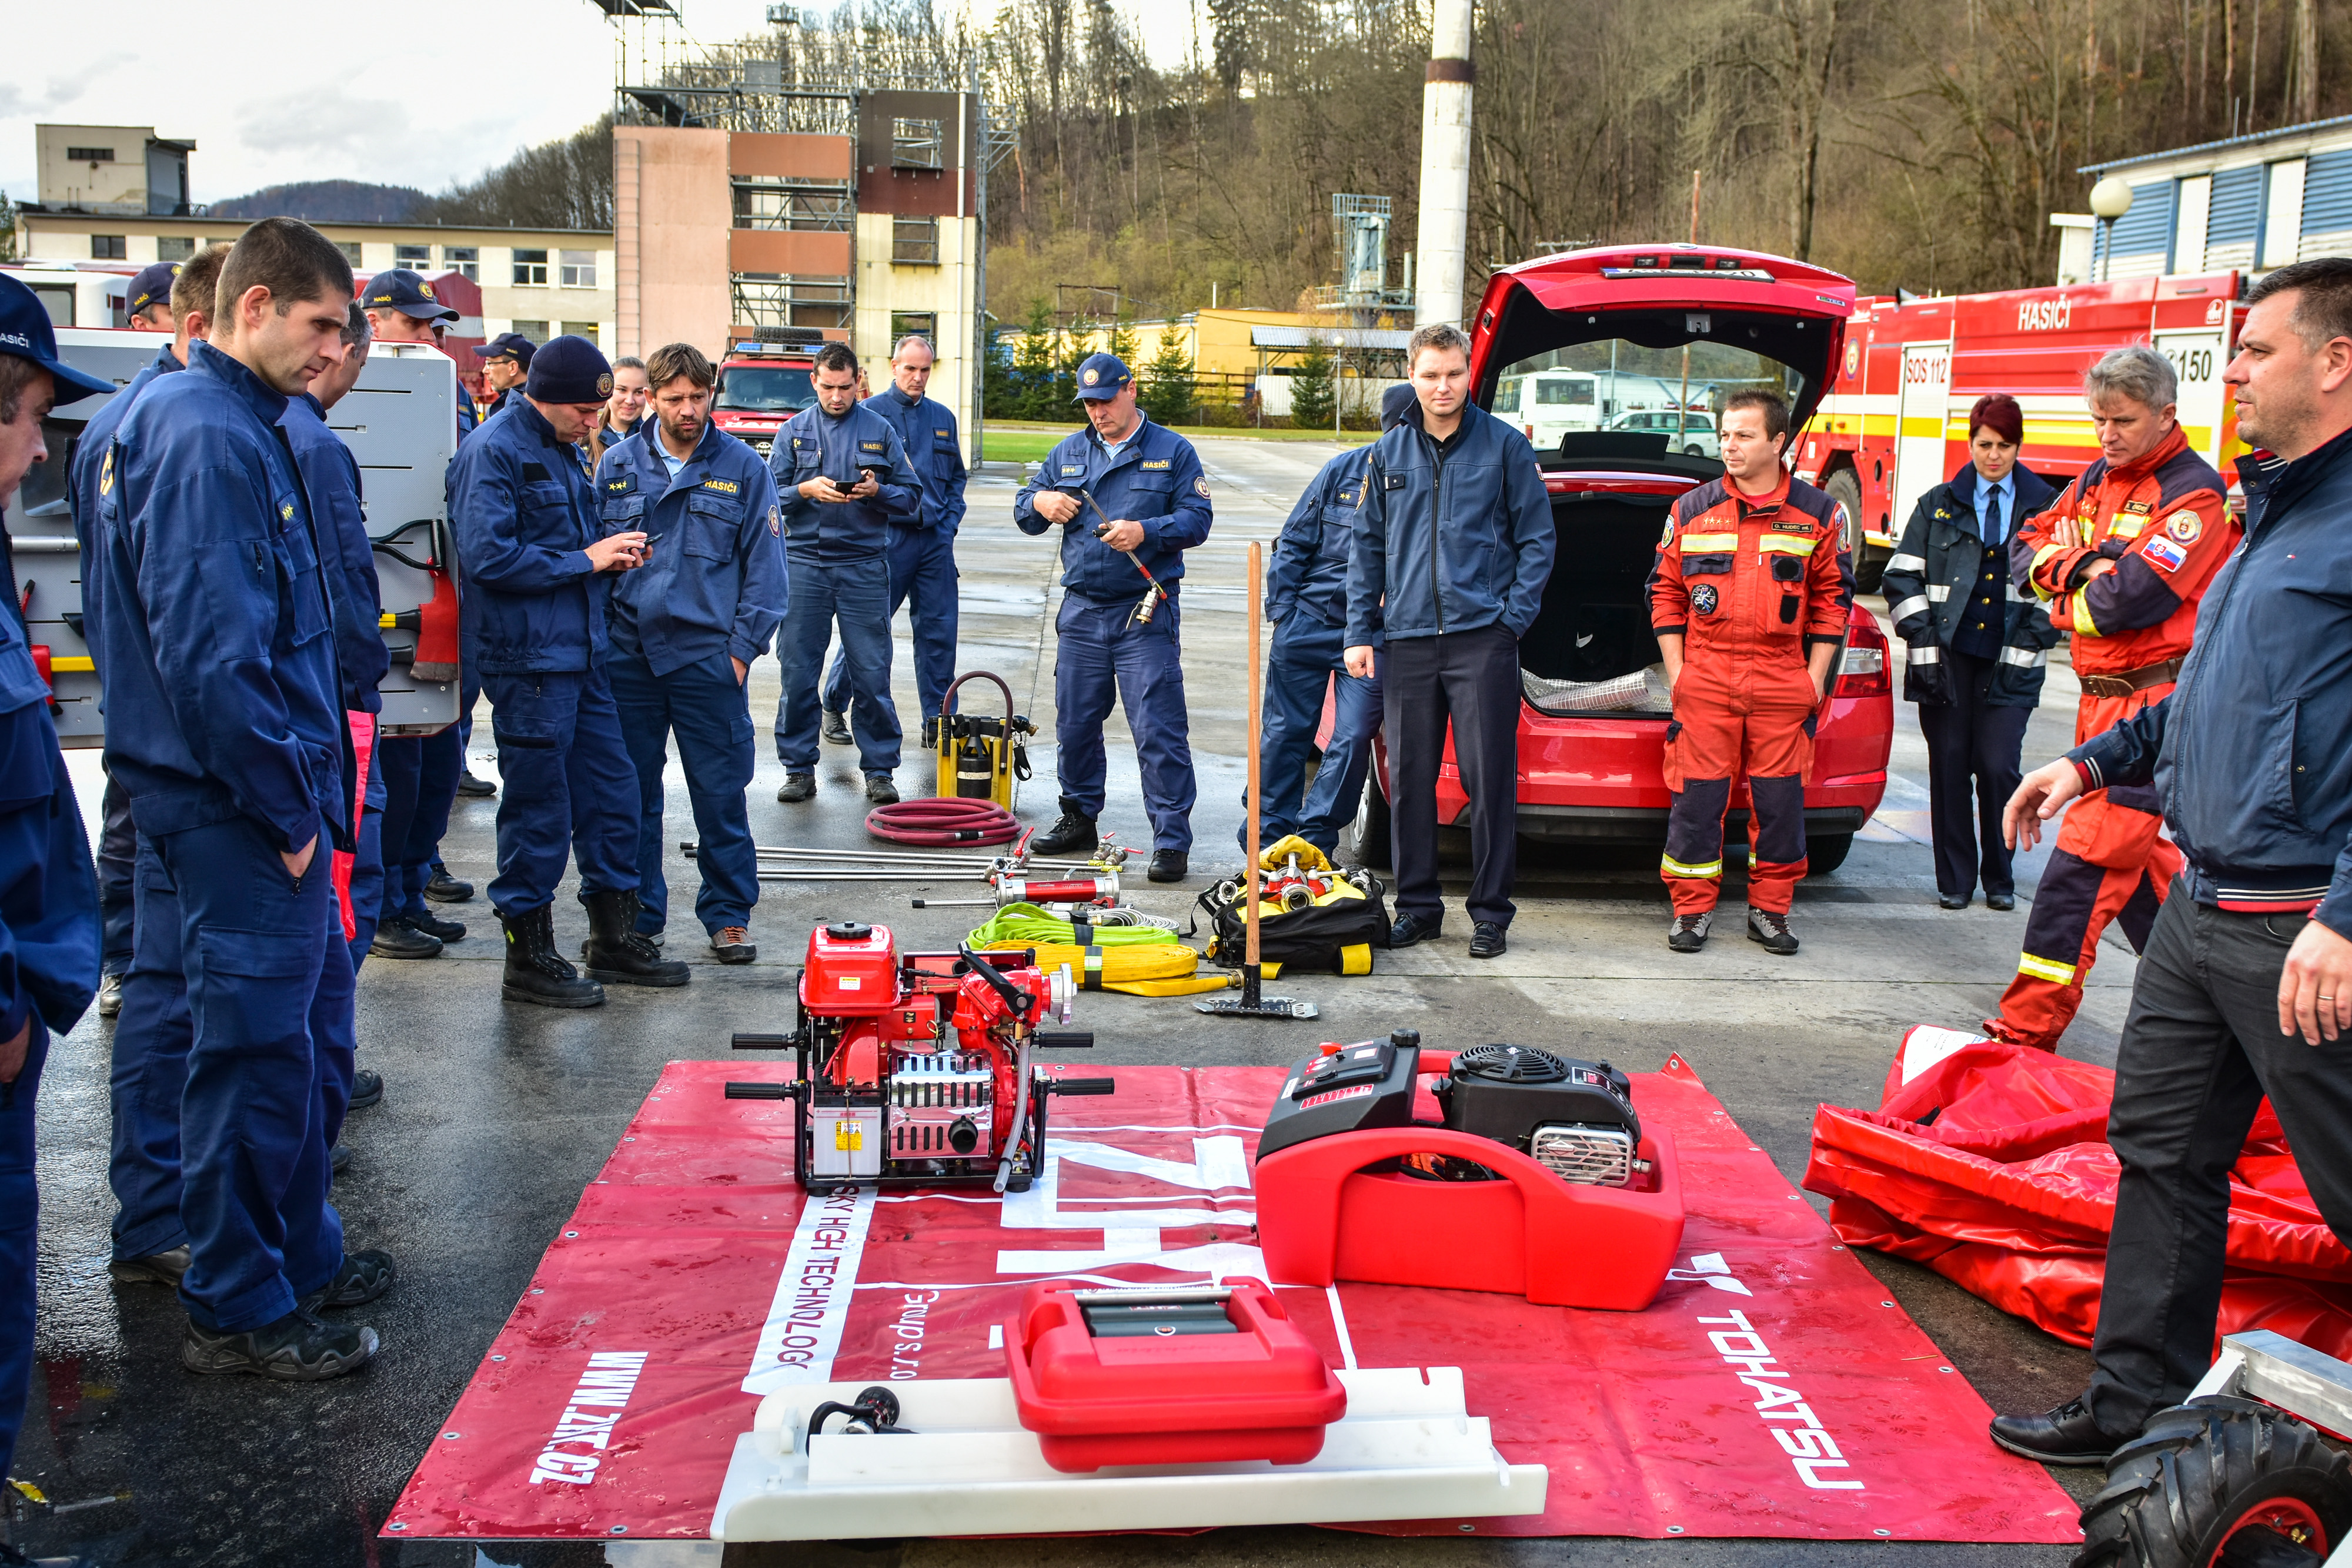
(1651, 327)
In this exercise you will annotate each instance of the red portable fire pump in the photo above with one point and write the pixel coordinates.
(915, 1069)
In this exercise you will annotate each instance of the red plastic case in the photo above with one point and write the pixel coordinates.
(1261, 1393)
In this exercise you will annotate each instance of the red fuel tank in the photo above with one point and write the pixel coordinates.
(852, 970)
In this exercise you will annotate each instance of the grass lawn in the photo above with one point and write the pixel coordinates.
(1007, 443)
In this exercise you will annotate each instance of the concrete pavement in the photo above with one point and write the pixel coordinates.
(495, 1117)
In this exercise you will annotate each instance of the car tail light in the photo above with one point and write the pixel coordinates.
(1863, 671)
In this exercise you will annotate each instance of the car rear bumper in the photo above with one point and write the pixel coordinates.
(1647, 824)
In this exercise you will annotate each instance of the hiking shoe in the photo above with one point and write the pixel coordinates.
(367, 1089)
(880, 790)
(797, 787)
(156, 1269)
(469, 785)
(297, 1348)
(1689, 932)
(362, 1278)
(835, 729)
(732, 944)
(1771, 928)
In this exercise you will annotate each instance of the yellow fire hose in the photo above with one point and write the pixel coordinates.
(1141, 960)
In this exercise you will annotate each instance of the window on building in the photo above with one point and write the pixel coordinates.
(923, 324)
(109, 247)
(463, 259)
(788, 205)
(90, 154)
(530, 270)
(351, 249)
(578, 268)
(581, 329)
(417, 257)
(915, 144)
(174, 247)
(534, 331)
(915, 242)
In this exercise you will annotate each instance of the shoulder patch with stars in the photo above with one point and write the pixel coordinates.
(1074, 468)
(1203, 487)
(724, 487)
(1350, 494)
(2184, 527)
(621, 486)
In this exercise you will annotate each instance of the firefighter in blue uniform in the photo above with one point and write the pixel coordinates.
(842, 477)
(48, 895)
(686, 627)
(537, 566)
(923, 549)
(1307, 600)
(225, 725)
(1154, 503)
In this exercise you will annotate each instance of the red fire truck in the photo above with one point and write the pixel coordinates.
(1895, 424)
(763, 383)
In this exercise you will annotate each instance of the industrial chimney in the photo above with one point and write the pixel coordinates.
(1445, 166)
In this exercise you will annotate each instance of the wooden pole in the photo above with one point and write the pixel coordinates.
(1257, 676)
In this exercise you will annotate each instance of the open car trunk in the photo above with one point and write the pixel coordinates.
(1590, 650)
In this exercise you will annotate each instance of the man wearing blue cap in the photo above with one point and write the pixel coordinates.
(1118, 635)
(148, 301)
(841, 473)
(536, 563)
(225, 722)
(922, 549)
(505, 366)
(48, 900)
(1307, 600)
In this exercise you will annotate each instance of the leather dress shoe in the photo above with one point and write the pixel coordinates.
(109, 995)
(2001, 901)
(1487, 940)
(1953, 900)
(397, 938)
(446, 889)
(2066, 1435)
(156, 1269)
(835, 729)
(1411, 928)
(469, 785)
(441, 930)
(367, 1089)
(1169, 865)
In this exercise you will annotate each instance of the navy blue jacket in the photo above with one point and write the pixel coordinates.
(48, 893)
(81, 486)
(2248, 752)
(1308, 573)
(1941, 568)
(928, 431)
(814, 443)
(331, 476)
(1452, 541)
(524, 517)
(223, 697)
(1155, 480)
(714, 578)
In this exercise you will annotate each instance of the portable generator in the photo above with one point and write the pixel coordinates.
(980, 758)
(915, 1069)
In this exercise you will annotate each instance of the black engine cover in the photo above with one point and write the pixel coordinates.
(1506, 1092)
(1369, 1084)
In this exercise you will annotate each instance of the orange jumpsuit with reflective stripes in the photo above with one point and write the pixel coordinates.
(2165, 524)
(1751, 583)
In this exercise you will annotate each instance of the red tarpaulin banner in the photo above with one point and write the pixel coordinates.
(1772, 1390)
(1989, 1163)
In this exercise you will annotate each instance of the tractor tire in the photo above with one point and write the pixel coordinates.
(2221, 1481)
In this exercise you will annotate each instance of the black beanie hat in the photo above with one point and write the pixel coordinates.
(568, 370)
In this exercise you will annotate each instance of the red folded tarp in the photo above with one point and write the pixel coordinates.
(1771, 1389)
(1989, 1163)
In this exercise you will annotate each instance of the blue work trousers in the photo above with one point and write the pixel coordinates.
(1106, 655)
(118, 850)
(367, 886)
(855, 595)
(710, 712)
(150, 1077)
(266, 979)
(420, 784)
(568, 789)
(922, 577)
(20, 1238)
(1338, 787)
(1298, 669)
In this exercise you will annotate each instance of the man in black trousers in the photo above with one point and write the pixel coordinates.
(1453, 566)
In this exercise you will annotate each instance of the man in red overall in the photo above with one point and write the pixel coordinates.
(2122, 560)
(1749, 600)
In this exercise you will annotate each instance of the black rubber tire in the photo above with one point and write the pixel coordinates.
(1825, 852)
(2203, 1472)
(1365, 841)
(1845, 487)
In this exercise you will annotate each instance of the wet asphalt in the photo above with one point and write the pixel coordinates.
(495, 1117)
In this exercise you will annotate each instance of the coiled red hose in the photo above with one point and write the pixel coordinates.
(943, 820)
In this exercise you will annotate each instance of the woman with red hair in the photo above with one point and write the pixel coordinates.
(1978, 648)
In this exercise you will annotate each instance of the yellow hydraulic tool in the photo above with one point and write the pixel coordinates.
(980, 758)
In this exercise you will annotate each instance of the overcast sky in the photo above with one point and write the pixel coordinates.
(505, 73)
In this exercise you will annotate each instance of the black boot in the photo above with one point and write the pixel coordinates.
(535, 972)
(1075, 831)
(616, 953)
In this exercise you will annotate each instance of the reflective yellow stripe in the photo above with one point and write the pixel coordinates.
(2128, 528)
(2033, 572)
(2057, 974)
(1710, 544)
(1785, 544)
(2083, 625)
(1672, 867)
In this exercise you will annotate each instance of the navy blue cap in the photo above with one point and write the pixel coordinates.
(569, 370)
(152, 286)
(1395, 402)
(26, 332)
(508, 346)
(1100, 376)
(408, 292)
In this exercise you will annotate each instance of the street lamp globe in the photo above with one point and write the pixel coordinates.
(2111, 198)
